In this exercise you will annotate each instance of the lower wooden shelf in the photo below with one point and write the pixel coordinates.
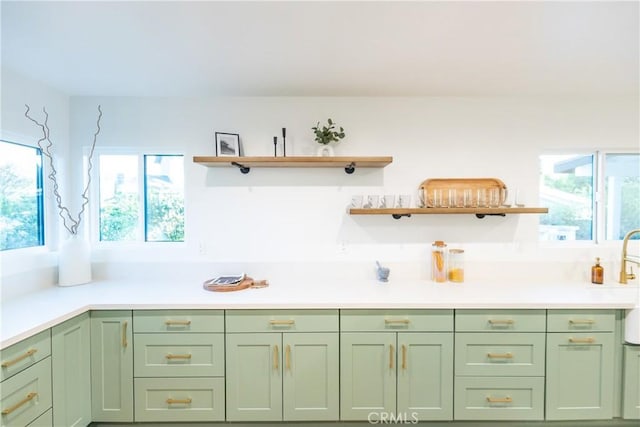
(478, 212)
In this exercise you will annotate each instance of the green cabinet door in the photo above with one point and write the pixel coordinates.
(425, 376)
(111, 366)
(367, 375)
(580, 372)
(71, 372)
(631, 381)
(254, 377)
(310, 377)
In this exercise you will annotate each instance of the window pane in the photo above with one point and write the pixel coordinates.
(119, 200)
(566, 188)
(164, 192)
(21, 204)
(622, 195)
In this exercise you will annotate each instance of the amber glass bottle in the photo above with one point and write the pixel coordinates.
(597, 273)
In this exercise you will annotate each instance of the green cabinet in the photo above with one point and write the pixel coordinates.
(499, 364)
(580, 364)
(631, 382)
(178, 364)
(111, 366)
(71, 372)
(390, 367)
(280, 366)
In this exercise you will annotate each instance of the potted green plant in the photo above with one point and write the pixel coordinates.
(325, 135)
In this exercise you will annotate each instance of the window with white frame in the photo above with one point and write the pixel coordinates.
(590, 196)
(21, 196)
(141, 197)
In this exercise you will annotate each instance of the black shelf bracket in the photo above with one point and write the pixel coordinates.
(398, 216)
(482, 215)
(244, 169)
(350, 168)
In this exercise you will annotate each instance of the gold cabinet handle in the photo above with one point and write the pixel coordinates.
(499, 399)
(501, 322)
(391, 356)
(11, 362)
(392, 321)
(276, 357)
(287, 357)
(27, 399)
(588, 340)
(177, 322)
(281, 322)
(171, 401)
(404, 356)
(124, 333)
(500, 355)
(581, 321)
(177, 356)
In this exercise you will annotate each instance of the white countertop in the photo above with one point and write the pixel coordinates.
(37, 311)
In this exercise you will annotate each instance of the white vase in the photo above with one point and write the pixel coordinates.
(74, 262)
(325, 151)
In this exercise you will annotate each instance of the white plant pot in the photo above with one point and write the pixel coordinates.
(325, 151)
(74, 262)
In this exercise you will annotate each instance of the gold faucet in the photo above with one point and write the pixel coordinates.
(624, 276)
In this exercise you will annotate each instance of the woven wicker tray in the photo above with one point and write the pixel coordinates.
(430, 187)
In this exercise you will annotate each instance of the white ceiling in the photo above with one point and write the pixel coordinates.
(206, 48)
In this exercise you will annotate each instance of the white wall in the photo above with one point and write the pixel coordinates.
(33, 267)
(288, 215)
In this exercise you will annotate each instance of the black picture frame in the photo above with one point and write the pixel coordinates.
(228, 145)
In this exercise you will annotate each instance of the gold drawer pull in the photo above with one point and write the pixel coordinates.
(499, 400)
(177, 322)
(281, 322)
(29, 353)
(177, 356)
(124, 334)
(500, 355)
(589, 340)
(582, 322)
(501, 322)
(186, 401)
(403, 321)
(27, 399)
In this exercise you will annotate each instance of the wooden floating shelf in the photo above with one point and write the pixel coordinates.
(478, 212)
(245, 163)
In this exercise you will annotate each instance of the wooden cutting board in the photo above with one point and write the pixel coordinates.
(429, 187)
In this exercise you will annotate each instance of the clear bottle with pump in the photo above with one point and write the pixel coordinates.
(439, 261)
(597, 273)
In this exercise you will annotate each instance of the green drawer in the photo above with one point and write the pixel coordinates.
(631, 379)
(499, 398)
(500, 320)
(282, 320)
(396, 320)
(581, 320)
(44, 420)
(171, 355)
(26, 395)
(179, 399)
(27, 352)
(177, 321)
(498, 354)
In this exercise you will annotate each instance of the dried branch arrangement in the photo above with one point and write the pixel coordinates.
(69, 221)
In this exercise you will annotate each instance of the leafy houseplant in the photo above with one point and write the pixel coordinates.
(326, 134)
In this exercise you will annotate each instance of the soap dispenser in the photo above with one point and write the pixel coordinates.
(597, 273)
